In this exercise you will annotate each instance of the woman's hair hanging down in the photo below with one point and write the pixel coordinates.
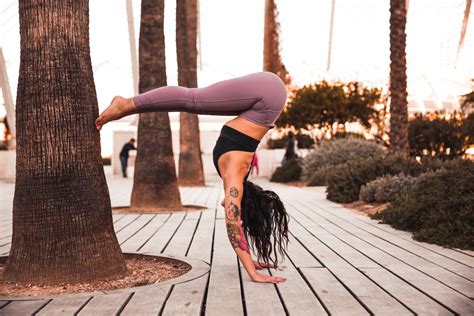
(264, 216)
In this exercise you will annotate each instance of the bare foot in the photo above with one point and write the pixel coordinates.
(118, 108)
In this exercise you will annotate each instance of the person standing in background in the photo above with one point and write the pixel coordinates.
(255, 163)
(290, 148)
(124, 155)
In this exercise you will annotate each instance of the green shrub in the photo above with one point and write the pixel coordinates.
(345, 180)
(435, 136)
(319, 177)
(289, 171)
(439, 207)
(337, 151)
(304, 141)
(386, 188)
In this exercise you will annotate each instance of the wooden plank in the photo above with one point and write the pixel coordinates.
(163, 235)
(193, 215)
(356, 236)
(201, 245)
(23, 307)
(408, 246)
(125, 221)
(413, 277)
(377, 300)
(332, 293)
(116, 217)
(5, 249)
(356, 219)
(190, 194)
(296, 294)
(134, 227)
(256, 293)
(63, 305)
(147, 302)
(413, 298)
(223, 296)
(187, 298)
(410, 274)
(224, 254)
(179, 244)
(105, 304)
(299, 255)
(138, 240)
(3, 303)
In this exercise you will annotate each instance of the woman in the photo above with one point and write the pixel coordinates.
(257, 99)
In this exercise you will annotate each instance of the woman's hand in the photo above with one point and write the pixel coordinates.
(263, 278)
(263, 265)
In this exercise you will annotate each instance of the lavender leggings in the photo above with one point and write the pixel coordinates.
(258, 97)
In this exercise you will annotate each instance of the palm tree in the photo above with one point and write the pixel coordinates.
(62, 220)
(271, 43)
(398, 77)
(465, 20)
(155, 186)
(190, 160)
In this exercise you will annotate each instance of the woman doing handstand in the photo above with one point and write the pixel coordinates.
(257, 100)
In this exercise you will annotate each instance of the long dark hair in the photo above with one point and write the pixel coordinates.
(264, 216)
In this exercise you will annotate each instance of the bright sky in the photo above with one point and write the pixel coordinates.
(232, 43)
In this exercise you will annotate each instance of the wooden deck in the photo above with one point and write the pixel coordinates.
(339, 263)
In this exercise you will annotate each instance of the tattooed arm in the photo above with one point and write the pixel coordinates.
(232, 201)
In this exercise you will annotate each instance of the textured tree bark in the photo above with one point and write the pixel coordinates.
(155, 186)
(398, 77)
(191, 171)
(271, 43)
(62, 220)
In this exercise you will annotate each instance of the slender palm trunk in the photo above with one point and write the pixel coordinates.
(155, 186)
(190, 161)
(271, 43)
(398, 77)
(465, 21)
(62, 220)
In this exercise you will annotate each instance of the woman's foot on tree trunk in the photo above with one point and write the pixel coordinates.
(118, 108)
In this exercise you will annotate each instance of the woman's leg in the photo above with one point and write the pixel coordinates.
(258, 97)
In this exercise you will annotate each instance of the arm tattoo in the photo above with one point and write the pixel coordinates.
(234, 192)
(234, 228)
(237, 236)
(232, 213)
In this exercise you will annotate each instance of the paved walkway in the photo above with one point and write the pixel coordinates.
(340, 263)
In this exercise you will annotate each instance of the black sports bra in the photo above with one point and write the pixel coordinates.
(231, 139)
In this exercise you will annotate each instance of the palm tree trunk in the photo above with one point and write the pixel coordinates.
(398, 77)
(190, 161)
(62, 220)
(271, 43)
(465, 20)
(155, 186)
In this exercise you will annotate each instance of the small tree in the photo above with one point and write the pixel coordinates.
(329, 106)
(435, 136)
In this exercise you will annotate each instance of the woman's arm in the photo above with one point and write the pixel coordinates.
(233, 187)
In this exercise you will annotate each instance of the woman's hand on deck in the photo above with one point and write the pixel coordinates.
(263, 278)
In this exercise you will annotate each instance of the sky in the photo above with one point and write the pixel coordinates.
(231, 43)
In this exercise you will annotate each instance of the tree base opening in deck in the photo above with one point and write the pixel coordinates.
(142, 270)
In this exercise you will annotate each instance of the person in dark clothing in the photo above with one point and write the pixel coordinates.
(124, 155)
(290, 148)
